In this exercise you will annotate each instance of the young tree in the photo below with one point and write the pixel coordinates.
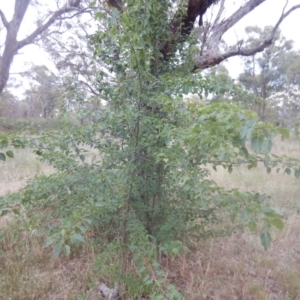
(139, 173)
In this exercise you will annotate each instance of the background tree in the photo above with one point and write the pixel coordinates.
(262, 75)
(9, 106)
(271, 76)
(286, 100)
(11, 28)
(44, 95)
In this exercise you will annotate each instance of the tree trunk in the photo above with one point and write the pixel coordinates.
(12, 45)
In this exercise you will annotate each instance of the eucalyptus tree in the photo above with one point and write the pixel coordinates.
(286, 99)
(263, 72)
(8, 105)
(46, 18)
(43, 96)
(272, 78)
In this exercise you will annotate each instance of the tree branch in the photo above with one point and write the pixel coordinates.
(3, 18)
(267, 42)
(12, 46)
(55, 16)
(90, 88)
(221, 9)
(221, 28)
(80, 12)
(207, 60)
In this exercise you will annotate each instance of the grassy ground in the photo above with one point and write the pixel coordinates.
(234, 267)
(14, 173)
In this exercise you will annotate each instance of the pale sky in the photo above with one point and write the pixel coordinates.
(266, 14)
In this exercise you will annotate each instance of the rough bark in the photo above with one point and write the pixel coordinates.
(12, 45)
(183, 24)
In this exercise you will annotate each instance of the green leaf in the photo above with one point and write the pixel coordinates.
(67, 250)
(57, 249)
(10, 154)
(16, 211)
(246, 130)
(277, 223)
(93, 3)
(77, 239)
(3, 142)
(5, 212)
(82, 157)
(266, 239)
(233, 217)
(284, 132)
(256, 144)
(266, 145)
(2, 156)
(49, 242)
(252, 226)
(100, 15)
(18, 143)
(288, 171)
(38, 152)
(77, 151)
(272, 212)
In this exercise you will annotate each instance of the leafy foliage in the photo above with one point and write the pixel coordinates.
(139, 173)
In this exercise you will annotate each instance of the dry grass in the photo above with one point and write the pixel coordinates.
(230, 268)
(237, 267)
(28, 271)
(14, 173)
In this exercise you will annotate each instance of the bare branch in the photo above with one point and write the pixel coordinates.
(3, 18)
(55, 17)
(286, 3)
(90, 88)
(221, 9)
(267, 42)
(85, 10)
(207, 60)
(221, 28)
